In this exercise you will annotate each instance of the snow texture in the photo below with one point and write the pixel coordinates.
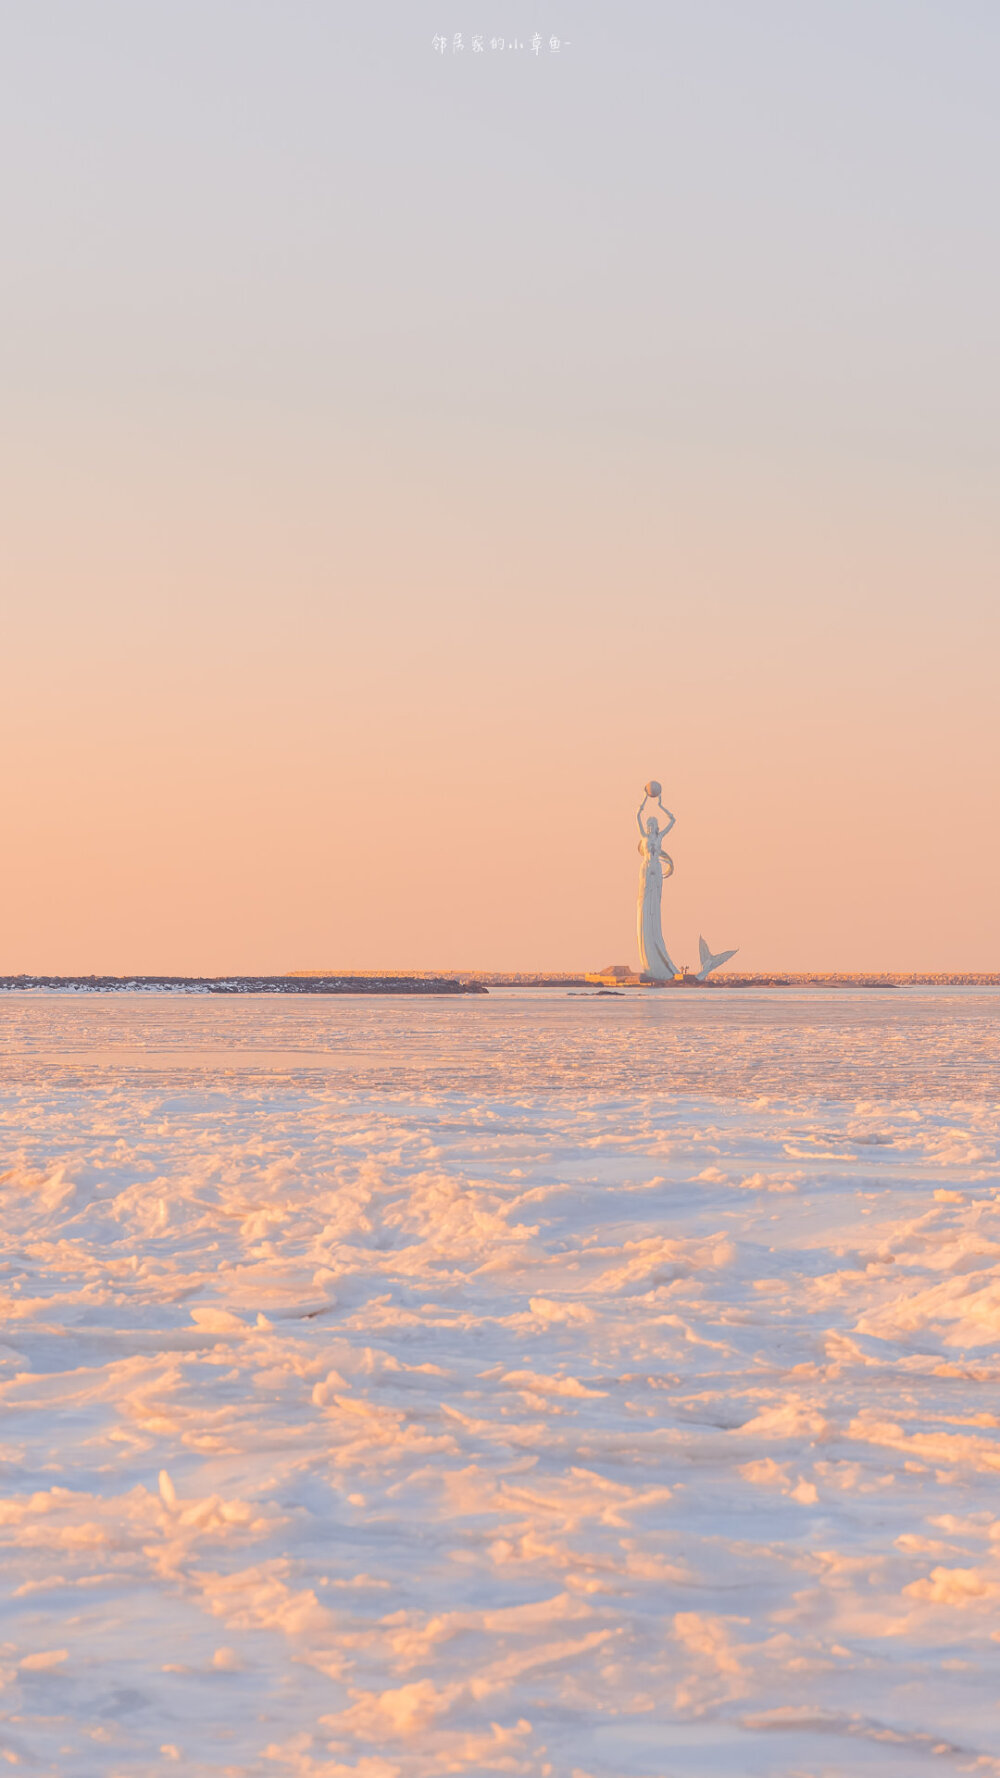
(542, 1384)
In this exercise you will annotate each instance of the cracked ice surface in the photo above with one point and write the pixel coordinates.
(540, 1384)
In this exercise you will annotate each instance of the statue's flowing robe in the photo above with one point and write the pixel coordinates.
(656, 960)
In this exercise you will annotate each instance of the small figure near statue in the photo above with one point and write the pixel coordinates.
(657, 964)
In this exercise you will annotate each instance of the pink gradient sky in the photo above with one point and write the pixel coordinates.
(406, 458)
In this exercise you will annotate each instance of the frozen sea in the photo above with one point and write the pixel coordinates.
(540, 1383)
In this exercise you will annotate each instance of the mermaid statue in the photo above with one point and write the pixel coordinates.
(657, 865)
(655, 958)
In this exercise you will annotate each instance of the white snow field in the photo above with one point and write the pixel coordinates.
(541, 1383)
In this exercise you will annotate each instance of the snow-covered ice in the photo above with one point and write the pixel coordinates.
(536, 1384)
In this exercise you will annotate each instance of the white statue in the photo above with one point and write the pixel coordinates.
(657, 964)
(656, 961)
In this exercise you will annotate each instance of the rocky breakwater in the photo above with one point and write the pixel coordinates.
(240, 984)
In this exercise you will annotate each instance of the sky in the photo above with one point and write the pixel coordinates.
(408, 454)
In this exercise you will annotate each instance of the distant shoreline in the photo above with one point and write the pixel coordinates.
(461, 982)
(778, 978)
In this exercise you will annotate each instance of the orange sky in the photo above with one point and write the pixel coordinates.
(398, 474)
